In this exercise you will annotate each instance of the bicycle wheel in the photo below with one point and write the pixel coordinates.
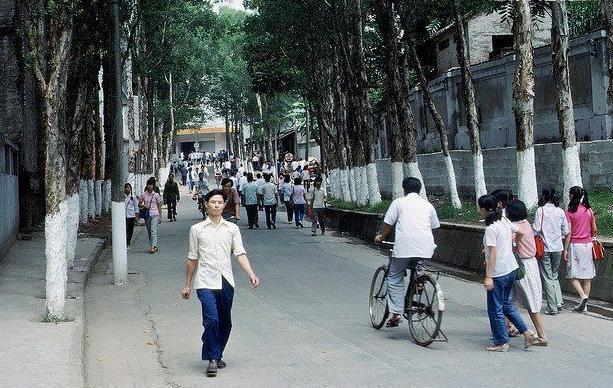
(378, 303)
(423, 310)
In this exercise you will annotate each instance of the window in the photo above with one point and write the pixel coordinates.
(501, 45)
(442, 45)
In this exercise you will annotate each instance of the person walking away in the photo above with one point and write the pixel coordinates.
(131, 203)
(242, 181)
(250, 191)
(255, 162)
(171, 197)
(288, 188)
(194, 174)
(527, 291)
(232, 209)
(260, 182)
(414, 218)
(234, 179)
(270, 198)
(190, 181)
(183, 172)
(500, 274)
(214, 279)
(152, 201)
(306, 178)
(551, 224)
(578, 245)
(317, 202)
(300, 200)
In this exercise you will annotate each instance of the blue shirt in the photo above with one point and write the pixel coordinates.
(250, 191)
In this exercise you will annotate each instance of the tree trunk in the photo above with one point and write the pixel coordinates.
(608, 14)
(523, 103)
(472, 120)
(150, 92)
(307, 108)
(571, 169)
(438, 120)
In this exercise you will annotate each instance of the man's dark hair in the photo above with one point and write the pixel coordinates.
(212, 193)
(516, 210)
(232, 173)
(225, 181)
(244, 173)
(411, 185)
(267, 178)
(286, 178)
(258, 175)
(503, 196)
(249, 177)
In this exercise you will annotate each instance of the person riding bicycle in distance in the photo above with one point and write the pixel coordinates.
(414, 218)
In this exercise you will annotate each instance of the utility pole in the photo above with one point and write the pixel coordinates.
(118, 211)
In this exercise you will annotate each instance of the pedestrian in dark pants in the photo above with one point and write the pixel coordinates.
(131, 203)
(214, 281)
(288, 188)
(268, 193)
(171, 197)
(183, 175)
(299, 198)
(317, 202)
(250, 191)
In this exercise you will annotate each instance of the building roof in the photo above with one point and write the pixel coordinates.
(201, 130)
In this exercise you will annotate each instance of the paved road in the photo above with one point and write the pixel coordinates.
(307, 325)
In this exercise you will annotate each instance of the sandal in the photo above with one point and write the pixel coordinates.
(393, 322)
(498, 348)
(513, 332)
(540, 341)
(151, 251)
(155, 249)
(530, 342)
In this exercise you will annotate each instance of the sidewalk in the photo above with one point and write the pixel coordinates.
(35, 354)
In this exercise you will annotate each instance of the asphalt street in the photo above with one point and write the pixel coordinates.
(307, 324)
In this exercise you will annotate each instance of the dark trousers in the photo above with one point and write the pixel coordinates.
(172, 208)
(299, 213)
(252, 214)
(216, 319)
(271, 215)
(318, 217)
(129, 229)
(290, 211)
(183, 179)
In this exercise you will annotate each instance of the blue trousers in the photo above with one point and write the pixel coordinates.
(216, 319)
(299, 213)
(499, 306)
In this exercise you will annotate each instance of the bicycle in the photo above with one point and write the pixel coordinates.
(424, 302)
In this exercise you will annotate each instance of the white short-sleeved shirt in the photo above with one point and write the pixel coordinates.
(269, 191)
(553, 227)
(414, 218)
(500, 235)
(213, 246)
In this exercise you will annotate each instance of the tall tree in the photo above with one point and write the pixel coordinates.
(608, 14)
(468, 95)
(49, 35)
(523, 102)
(571, 169)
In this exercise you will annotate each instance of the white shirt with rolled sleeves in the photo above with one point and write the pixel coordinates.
(213, 246)
(414, 218)
(553, 228)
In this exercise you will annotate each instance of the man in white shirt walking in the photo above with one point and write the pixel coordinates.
(414, 218)
(212, 242)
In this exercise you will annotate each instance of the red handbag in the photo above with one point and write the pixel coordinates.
(597, 250)
(538, 240)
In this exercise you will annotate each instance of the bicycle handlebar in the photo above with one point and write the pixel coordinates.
(387, 242)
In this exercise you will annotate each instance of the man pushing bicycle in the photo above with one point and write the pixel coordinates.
(414, 218)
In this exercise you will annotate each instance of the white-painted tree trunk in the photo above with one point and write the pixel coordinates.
(91, 199)
(572, 170)
(480, 188)
(345, 190)
(56, 270)
(453, 189)
(526, 175)
(83, 201)
(412, 169)
(397, 177)
(374, 194)
(72, 227)
(351, 177)
(361, 185)
(106, 199)
(334, 183)
(98, 197)
(120, 257)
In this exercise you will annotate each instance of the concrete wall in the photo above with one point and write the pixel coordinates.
(500, 167)
(9, 196)
(493, 82)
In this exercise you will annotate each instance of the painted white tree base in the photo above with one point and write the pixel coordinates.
(453, 188)
(361, 185)
(83, 201)
(412, 169)
(98, 197)
(397, 177)
(351, 179)
(526, 178)
(120, 256)
(106, 199)
(91, 199)
(374, 194)
(480, 188)
(72, 228)
(56, 269)
(571, 170)
(345, 190)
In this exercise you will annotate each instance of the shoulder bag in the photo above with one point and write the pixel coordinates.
(520, 272)
(538, 239)
(144, 212)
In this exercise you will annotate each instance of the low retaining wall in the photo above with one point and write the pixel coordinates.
(461, 245)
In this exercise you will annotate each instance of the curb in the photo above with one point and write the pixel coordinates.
(78, 276)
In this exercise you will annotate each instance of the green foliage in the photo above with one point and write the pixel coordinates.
(602, 204)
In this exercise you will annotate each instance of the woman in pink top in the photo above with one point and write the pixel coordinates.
(152, 201)
(527, 291)
(578, 245)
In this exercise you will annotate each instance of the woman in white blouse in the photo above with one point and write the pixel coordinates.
(551, 224)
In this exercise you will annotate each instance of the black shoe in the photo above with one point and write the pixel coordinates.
(257, 226)
(269, 227)
(221, 364)
(211, 370)
(250, 227)
(581, 307)
(274, 226)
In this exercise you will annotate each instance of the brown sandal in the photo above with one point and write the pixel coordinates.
(393, 322)
(498, 348)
